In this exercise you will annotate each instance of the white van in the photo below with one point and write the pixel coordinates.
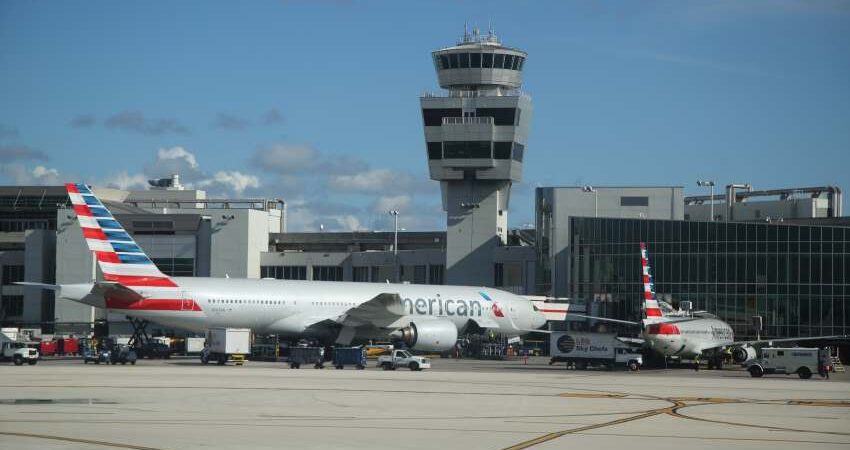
(802, 361)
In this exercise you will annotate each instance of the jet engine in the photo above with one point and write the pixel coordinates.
(432, 335)
(743, 354)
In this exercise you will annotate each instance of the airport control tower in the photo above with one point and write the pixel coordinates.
(475, 136)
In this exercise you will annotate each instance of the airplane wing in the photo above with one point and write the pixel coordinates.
(605, 319)
(797, 339)
(381, 311)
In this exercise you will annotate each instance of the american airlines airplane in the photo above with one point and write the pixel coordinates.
(425, 317)
(689, 335)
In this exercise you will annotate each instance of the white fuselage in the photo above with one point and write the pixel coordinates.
(295, 308)
(693, 338)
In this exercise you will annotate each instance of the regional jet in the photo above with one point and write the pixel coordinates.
(689, 335)
(425, 317)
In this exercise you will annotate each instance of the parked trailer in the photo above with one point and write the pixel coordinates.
(194, 345)
(349, 355)
(227, 344)
(582, 349)
(307, 355)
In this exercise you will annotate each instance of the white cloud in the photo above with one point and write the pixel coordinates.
(385, 203)
(285, 158)
(232, 180)
(178, 153)
(370, 181)
(39, 175)
(124, 181)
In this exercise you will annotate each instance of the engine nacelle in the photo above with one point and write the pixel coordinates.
(432, 335)
(743, 354)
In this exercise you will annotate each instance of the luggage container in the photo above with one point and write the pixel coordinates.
(307, 355)
(47, 348)
(349, 355)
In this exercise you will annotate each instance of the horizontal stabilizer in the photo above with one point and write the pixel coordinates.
(49, 287)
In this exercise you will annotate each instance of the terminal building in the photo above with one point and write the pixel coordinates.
(783, 254)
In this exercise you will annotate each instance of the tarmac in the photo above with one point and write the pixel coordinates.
(465, 404)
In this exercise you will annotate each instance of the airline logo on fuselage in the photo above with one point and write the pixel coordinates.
(442, 307)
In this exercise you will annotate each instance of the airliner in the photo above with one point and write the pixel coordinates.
(689, 335)
(425, 317)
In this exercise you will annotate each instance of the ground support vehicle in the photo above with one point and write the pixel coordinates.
(581, 349)
(349, 355)
(802, 361)
(307, 355)
(403, 358)
(20, 353)
(122, 354)
(96, 356)
(153, 349)
(227, 344)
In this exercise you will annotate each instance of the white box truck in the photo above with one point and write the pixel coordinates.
(582, 349)
(226, 344)
(802, 361)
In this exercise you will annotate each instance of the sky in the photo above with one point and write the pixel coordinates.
(316, 102)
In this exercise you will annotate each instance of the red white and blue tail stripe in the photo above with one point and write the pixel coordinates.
(120, 259)
(650, 302)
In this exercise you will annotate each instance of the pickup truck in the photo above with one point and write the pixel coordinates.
(403, 358)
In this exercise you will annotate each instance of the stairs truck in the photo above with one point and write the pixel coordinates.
(226, 344)
(581, 350)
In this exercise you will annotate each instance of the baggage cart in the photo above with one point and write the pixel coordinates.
(349, 355)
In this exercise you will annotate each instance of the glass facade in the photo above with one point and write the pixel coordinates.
(797, 277)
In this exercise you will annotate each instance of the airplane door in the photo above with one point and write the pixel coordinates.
(186, 302)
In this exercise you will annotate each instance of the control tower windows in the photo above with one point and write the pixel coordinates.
(519, 149)
(475, 60)
(509, 61)
(433, 117)
(464, 60)
(502, 150)
(501, 116)
(499, 61)
(466, 150)
(487, 60)
(521, 63)
(444, 61)
(435, 150)
(453, 61)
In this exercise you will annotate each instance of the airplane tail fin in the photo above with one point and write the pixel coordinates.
(119, 257)
(652, 310)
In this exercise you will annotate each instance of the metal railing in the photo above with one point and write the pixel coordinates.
(467, 120)
(473, 94)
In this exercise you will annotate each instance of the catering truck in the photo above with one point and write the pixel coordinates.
(226, 344)
(19, 352)
(582, 349)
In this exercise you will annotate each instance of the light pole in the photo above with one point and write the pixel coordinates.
(589, 188)
(394, 213)
(710, 184)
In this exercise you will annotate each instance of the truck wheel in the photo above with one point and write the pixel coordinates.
(756, 372)
(18, 360)
(386, 366)
(414, 366)
(804, 373)
(132, 363)
(33, 361)
(633, 366)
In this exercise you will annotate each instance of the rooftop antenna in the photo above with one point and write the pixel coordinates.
(465, 32)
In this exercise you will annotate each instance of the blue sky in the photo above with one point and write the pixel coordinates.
(317, 102)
